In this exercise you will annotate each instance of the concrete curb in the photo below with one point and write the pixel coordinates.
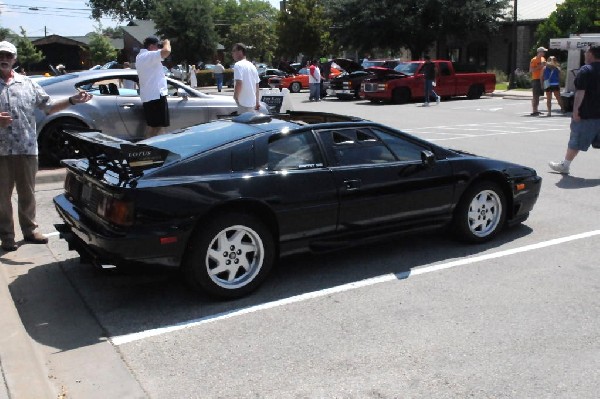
(45, 176)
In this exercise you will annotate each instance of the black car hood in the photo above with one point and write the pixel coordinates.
(348, 65)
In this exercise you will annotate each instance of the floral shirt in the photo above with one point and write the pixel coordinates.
(21, 96)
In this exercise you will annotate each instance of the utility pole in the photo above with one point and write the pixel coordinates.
(513, 65)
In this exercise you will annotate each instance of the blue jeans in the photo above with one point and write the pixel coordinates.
(219, 79)
(315, 91)
(429, 90)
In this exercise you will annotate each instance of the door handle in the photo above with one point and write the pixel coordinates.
(352, 184)
(127, 105)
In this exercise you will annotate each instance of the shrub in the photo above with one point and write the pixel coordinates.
(500, 75)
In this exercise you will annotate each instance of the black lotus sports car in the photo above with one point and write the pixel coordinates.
(223, 200)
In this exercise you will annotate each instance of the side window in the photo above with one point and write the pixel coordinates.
(296, 151)
(403, 149)
(444, 69)
(359, 146)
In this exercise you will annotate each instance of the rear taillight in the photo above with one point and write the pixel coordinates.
(115, 210)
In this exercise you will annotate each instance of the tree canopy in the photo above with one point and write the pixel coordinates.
(122, 10)
(101, 49)
(27, 53)
(304, 28)
(570, 17)
(190, 27)
(414, 24)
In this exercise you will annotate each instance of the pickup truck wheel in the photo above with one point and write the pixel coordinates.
(401, 95)
(229, 256)
(474, 92)
(295, 87)
(52, 142)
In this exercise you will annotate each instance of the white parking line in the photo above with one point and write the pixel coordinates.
(124, 339)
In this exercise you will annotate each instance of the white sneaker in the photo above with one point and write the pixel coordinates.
(438, 99)
(559, 167)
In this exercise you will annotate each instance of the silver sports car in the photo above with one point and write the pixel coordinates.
(116, 108)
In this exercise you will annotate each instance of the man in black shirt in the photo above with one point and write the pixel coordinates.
(585, 123)
(430, 74)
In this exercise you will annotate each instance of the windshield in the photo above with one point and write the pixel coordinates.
(368, 64)
(407, 68)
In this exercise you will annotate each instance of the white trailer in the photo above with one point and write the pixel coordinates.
(575, 46)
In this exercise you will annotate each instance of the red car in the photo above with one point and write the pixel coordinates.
(295, 81)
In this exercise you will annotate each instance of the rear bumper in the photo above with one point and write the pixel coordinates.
(161, 244)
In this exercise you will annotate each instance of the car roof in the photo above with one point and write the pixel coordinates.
(199, 138)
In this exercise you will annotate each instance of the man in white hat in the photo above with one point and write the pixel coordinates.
(19, 96)
(536, 67)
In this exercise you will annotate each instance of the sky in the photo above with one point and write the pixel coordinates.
(56, 17)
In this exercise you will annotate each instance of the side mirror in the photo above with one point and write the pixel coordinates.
(182, 93)
(428, 158)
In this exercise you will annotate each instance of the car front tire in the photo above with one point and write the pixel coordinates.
(229, 256)
(481, 213)
(295, 87)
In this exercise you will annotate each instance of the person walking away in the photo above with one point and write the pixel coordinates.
(536, 68)
(551, 76)
(585, 121)
(245, 92)
(19, 96)
(430, 73)
(218, 71)
(314, 81)
(153, 84)
(193, 76)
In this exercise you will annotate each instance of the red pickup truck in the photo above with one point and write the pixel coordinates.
(406, 82)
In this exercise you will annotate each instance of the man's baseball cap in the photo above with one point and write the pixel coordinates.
(8, 47)
(150, 40)
(540, 49)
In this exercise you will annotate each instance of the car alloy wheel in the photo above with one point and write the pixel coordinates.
(481, 213)
(230, 256)
(295, 87)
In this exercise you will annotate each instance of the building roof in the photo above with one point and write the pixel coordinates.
(140, 29)
(72, 40)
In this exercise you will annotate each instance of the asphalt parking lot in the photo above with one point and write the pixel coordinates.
(420, 316)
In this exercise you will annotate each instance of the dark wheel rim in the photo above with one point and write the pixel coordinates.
(485, 212)
(235, 257)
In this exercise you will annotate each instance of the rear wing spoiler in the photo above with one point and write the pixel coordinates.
(106, 153)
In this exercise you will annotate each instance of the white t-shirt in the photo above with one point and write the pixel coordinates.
(218, 68)
(153, 82)
(246, 72)
(316, 78)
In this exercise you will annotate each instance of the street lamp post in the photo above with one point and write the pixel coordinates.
(513, 65)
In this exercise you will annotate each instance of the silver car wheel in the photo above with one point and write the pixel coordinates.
(234, 257)
(485, 212)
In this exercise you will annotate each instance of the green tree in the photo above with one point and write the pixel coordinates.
(304, 28)
(27, 52)
(101, 49)
(6, 34)
(190, 27)
(414, 24)
(122, 10)
(253, 22)
(570, 17)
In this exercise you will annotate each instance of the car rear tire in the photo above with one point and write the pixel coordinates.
(52, 143)
(401, 95)
(229, 256)
(295, 87)
(481, 212)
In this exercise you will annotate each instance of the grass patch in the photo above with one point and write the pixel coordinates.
(502, 86)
